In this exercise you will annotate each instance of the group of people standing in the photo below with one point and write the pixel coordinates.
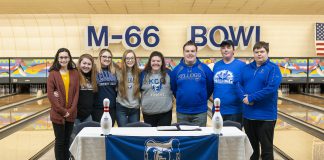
(76, 92)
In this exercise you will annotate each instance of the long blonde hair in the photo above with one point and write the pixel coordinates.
(111, 67)
(123, 76)
(83, 82)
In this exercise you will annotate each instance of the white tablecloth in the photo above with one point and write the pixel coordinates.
(90, 145)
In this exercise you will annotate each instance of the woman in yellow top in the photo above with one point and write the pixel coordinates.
(64, 80)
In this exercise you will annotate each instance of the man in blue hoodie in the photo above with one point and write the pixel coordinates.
(226, 72)
(192, 85)
(258, 90)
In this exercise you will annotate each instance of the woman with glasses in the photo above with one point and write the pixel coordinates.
(156, 98)
(128, 97)
(64, 80)
(106, 83)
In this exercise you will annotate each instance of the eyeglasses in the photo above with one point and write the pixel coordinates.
(64, 57)
(106, 57)
(129, 58)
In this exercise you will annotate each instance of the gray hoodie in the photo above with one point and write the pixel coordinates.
(130, 101)
(156, 96)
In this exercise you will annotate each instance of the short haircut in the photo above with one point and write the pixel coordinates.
(261, 44)
(190, 43)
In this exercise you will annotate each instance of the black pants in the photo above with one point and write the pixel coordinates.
(62, 140)
(260, 132)
(162, 119)
(98, 112)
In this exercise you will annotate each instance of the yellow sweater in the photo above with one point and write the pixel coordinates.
(66, 81)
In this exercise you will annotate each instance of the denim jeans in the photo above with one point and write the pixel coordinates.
(126, 115)
(199, 119)
(62, 140)
(78, 121)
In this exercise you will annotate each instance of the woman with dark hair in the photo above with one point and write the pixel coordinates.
(64, 80)
(128, 97)
(156, 98)
(106, 82)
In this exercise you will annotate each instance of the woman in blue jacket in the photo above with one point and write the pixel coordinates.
(106, 82)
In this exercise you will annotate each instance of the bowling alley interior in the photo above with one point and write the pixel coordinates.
(31, 32)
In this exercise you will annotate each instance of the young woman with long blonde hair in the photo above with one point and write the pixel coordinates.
(128, 98)
(106, 83)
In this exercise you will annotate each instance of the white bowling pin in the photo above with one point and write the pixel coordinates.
(105, 122)
(217, 120)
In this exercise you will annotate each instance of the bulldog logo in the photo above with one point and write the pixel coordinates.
(162, 150)
(157, 87)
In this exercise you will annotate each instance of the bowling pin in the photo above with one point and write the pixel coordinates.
(2, 89)
(105, 122)
(217, 120)
(7, 89)
(311, 90)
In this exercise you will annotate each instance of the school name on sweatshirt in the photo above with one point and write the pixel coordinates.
(106, 78)
(189, 76)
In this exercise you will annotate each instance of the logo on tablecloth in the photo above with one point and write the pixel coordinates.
(155, 150)
(161, 147)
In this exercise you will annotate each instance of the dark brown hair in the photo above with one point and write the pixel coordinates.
(190, 43)
(56, 65)
(261, 44)
(148, 67)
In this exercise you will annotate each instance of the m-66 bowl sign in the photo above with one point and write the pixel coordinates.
(132, 38)
(148, 37)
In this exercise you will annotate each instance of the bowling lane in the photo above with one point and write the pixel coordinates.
(310, 116)
(307, 99)
(15, 98)
(26, 142)
(296, 143)
(12, 115)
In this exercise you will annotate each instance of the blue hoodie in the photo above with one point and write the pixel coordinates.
(224, 87)
(261, 85)
(192, 86)
(107, 83)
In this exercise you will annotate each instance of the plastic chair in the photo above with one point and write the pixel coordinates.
(79, 127)
(86, 124)
(232, 124)
(138, 124)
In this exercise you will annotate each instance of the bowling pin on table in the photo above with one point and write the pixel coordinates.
(105, 122)
(217, 121)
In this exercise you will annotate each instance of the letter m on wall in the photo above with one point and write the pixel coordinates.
(92, 36)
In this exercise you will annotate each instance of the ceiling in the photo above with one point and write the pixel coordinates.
(295, 7)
